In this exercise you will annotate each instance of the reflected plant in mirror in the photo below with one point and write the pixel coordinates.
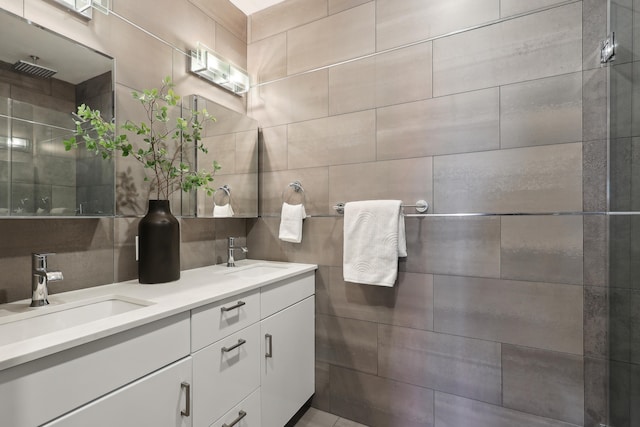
(43, 79)
(168, 141)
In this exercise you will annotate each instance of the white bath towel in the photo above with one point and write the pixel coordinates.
(374, 238)
(222, 211)
(291, 222)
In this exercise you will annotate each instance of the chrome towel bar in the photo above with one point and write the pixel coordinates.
(421, 206)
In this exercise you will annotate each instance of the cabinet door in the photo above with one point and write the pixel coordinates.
(161, 399)
(287, 371)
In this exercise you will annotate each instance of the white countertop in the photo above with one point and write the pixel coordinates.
(195, 288)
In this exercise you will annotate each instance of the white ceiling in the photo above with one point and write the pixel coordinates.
(253, 6)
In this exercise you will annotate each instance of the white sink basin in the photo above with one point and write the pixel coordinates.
(256, 270)
(45, 320)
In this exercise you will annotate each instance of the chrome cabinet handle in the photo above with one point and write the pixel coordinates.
(187, 388)
(269, 339)
(233, 307)
(241, 415)
(233, 347)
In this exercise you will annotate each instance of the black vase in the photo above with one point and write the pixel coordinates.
(159, 244)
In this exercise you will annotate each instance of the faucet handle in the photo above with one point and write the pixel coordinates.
(39, 260)
(42, 255)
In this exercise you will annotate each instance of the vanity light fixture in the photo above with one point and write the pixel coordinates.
(210, 66)
(85, 8)
(20, 144)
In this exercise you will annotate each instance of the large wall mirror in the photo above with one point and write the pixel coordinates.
(232, 141)
(43, 77)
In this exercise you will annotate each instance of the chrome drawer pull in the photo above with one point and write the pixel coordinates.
(269, 339)
(233, 347)
(241, 415)
(187, 388)
(233, 307)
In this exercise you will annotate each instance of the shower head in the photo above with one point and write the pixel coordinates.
(33, 68)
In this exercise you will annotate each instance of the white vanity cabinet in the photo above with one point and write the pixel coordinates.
(288, 345)
(246, 360)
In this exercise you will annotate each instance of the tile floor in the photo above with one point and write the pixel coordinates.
(316, 418)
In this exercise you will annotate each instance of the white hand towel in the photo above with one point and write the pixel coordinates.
(291, 222)
(374, 238)
(222, 211)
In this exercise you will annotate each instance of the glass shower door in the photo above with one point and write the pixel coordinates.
(624, 216)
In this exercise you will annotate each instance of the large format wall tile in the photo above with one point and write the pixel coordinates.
(545, 111)
(275, 190)
(267, 59)
(515, 7)
(299, 98)
(542, 248)
(230, 47)
(348, 138)
(272, 148)
(379, 402)
(596, 321)
(543, 383)
(375, 82)
(339, 37)
(409, 21)
(452, 124)
(161, 18)
(596, 392)
(595, 104)
(458, 246)
(77, 244)
(283, 16)
(408, 180)
(596, 248)
(227, 14)
(461, 366)
(621, 105)
(594, 175)
(321, 241)
(534, 46)
(13, 6)
(347, 342)
(409, 303)
(541, 315)
(454, 411)
(533, 179)
(336, 6)
(594, 30)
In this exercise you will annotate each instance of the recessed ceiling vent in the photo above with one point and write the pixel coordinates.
(33, 69)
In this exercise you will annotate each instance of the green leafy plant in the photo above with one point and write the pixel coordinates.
(167, 141)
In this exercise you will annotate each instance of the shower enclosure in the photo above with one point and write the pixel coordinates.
(624, 216)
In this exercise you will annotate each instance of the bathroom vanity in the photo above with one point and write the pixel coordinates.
(220, 347)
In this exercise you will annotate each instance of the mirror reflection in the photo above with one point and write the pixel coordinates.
(232, 141)
(43, 77)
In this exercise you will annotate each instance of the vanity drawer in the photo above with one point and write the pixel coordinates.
(280, 295)
(247, 413)
(215, 321)
(224, 373)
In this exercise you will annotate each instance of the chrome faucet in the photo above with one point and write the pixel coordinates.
(231, 262)
(40, 278)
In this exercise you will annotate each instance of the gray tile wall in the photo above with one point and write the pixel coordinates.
(92, 252)
(490, 322)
